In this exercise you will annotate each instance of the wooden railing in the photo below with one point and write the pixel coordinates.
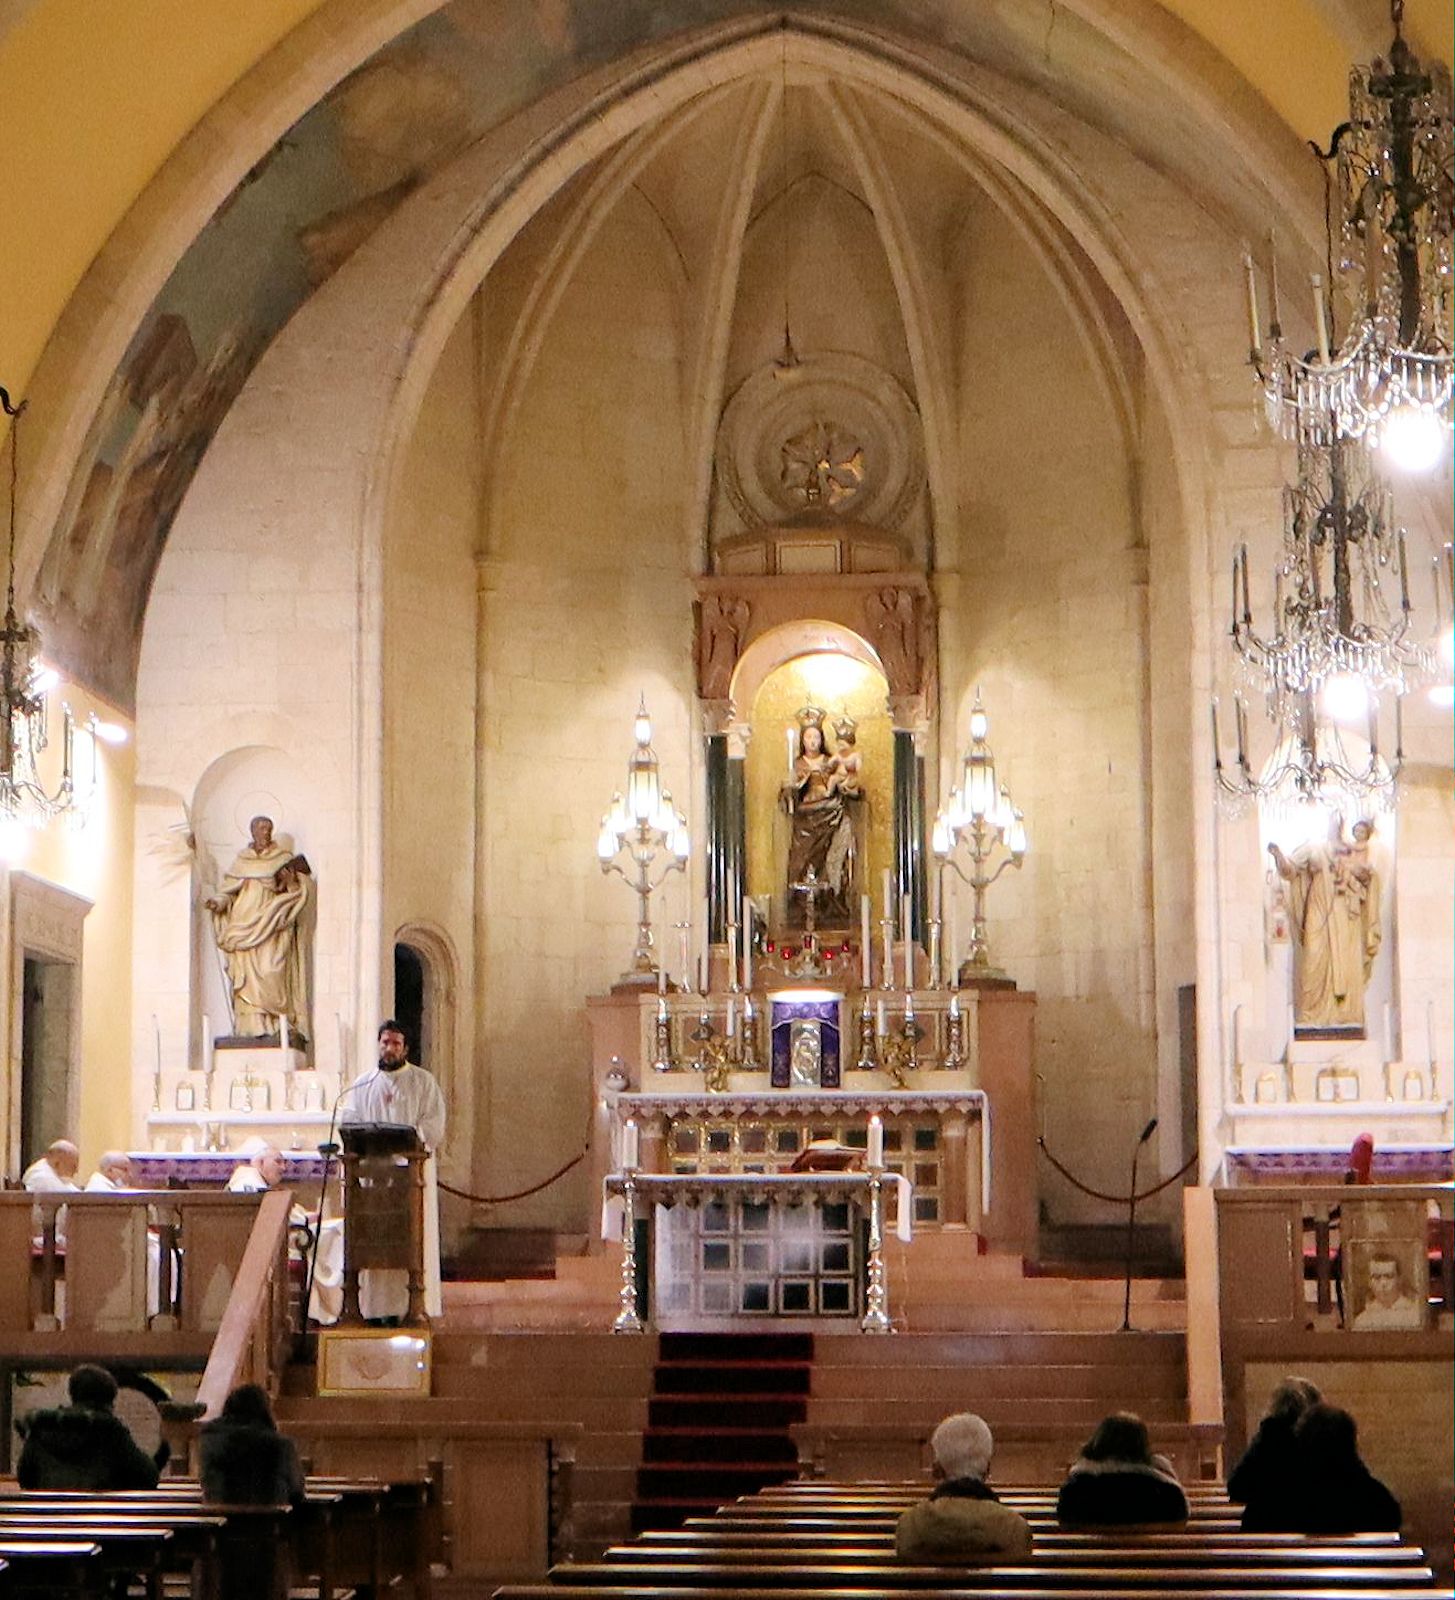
(251, 1343)
(88, 1269)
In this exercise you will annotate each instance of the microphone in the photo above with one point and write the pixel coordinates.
(1148, 1131)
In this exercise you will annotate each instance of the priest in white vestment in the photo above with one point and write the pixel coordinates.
(55, 1172)
(114, 1174)
(397, 1091)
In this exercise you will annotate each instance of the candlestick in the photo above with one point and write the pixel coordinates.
(908, 1006)
(868, 1053)
(955, 1035)
(866, 955)
(876, 1142)
(630, 1145)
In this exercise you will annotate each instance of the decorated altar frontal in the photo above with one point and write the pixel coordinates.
(719, 1250)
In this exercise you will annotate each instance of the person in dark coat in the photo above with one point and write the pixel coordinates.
(84, 1445)
(1267, 1462)
(1327, 1488)
(245, 1460)
(1118, 1482)
(963, 1520)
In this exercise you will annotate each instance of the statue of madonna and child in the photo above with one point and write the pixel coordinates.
(823, 797)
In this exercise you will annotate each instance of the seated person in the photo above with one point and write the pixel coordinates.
(245, 1460)
(114, 1174)
(85, 1445)
(262, 1169)
(962, 1520)
(1327, 1488)
(1269, 1456)
(55, 1172)
(1118, 1482)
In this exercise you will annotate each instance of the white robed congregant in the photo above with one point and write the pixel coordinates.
(398, 1091)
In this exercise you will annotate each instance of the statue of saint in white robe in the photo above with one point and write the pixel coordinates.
(257, 916)
(407, 1095)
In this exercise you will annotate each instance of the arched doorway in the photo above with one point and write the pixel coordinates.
(425, 1004)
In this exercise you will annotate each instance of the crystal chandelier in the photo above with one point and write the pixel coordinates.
(981, 816)
(1341, 606)
(1388, 377)
(24, 720)
(644, 826)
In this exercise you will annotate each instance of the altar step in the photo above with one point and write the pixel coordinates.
(735, 1396)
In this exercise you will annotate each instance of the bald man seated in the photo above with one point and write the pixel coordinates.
(55, 1172)
(115, 1174)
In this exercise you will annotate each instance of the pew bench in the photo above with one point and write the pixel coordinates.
(1158, 1577)
(1248, 1558)
(54, 1569)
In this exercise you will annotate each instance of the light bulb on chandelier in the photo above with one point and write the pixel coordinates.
(1345, 698)
(1413, 439)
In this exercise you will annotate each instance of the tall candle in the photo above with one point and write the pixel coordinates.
(1430, 1042)
(953, 948)
(732, 1018)
(888, 894)
(684, 940)
(1254, 338)
(157, 1040)
(876, 1142)
(865, 951)
(731, 944)
(206, 1042)
(661, 980)
(747, 945)
(1321, 326)
(1388, 1031)
(1237, 1036)
(879, 1019)
(630, 1148)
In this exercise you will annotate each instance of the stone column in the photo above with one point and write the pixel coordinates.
(911, 871)
(724, 748)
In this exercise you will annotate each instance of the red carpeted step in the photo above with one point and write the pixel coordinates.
(712, 1411)
(718, 1422)
(728, 1377)
(736, 1347)
(722, 1444)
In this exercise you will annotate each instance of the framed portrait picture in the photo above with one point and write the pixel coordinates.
(1386, 1267)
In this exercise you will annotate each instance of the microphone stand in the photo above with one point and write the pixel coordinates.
(1146, 1134)
(328, 1150)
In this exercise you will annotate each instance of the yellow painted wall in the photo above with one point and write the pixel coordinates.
(96, 861)
(97, 94)
(836, 684)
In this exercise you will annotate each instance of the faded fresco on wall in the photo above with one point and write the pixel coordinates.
(296, 217)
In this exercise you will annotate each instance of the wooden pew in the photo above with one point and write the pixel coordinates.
(951, 1590)
(640, 1576)
(55, 1569)
(710, 1536)
(1250, 1558)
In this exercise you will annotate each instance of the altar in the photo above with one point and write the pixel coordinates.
(725, 1250)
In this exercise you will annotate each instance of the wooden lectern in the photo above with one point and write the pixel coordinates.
(383, 1189)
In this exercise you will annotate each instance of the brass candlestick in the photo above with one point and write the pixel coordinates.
(876, 1296)
(662, 1041)
(954, 1038)
(748, 1057)
(627, 1318)
(868, 1041)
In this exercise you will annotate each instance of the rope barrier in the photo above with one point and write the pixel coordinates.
(1116, 1199)
(521, 1194)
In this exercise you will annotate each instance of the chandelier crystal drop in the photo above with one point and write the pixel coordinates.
(1388, 377)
